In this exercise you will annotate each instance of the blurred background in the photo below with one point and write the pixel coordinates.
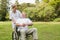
(37, 10)
(44, 13)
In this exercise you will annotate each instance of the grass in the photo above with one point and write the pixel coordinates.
(46, 30)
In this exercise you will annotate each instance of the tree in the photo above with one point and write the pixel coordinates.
(22, 6)
(37, 1)
(3, 10)
(42, 12)
(46, 1)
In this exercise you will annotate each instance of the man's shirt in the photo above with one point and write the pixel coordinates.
(24, 21)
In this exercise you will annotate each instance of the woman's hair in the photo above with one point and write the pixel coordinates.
(13, 6)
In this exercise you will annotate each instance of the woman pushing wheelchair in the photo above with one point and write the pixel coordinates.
(21, 21)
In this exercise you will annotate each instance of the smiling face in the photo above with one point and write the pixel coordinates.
(14, 7)
(24, 15)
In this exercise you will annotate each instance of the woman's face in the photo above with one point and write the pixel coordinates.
(14, 9)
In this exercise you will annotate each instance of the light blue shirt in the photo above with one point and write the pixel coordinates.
(25, 21)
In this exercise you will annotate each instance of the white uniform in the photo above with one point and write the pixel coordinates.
(15, 16)
(24, 30)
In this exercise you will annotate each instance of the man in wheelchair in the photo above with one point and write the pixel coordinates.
(22, 25)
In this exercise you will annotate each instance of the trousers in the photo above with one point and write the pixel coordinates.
(32, 31)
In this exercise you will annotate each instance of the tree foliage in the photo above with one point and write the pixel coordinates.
(47, 10)
(3, 10)
(41, 13)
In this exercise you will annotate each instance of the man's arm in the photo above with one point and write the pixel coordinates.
(17, 24)
(30, 24)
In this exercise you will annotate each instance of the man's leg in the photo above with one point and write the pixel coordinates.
(34, 33)
(22, 34)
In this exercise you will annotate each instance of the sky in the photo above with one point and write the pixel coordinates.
(22, 1)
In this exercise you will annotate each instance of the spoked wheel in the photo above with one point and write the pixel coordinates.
(14, 36)
(29, 36)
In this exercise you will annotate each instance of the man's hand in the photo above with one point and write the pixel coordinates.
(24, 25)
(30, 24)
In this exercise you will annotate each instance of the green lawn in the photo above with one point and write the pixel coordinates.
(46, 31)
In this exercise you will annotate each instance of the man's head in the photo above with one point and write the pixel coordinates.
(24, 15)
(14, 7)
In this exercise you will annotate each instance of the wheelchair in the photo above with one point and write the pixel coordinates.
(16, 35)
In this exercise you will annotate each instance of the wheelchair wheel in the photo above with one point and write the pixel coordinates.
(14, 36)
(29, 36)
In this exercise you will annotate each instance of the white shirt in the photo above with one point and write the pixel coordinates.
(25, 21)
(15, 15)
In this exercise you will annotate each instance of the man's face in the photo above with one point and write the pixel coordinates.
(23, 15)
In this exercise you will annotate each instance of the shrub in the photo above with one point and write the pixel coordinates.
(57, 20)
(45, 13)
